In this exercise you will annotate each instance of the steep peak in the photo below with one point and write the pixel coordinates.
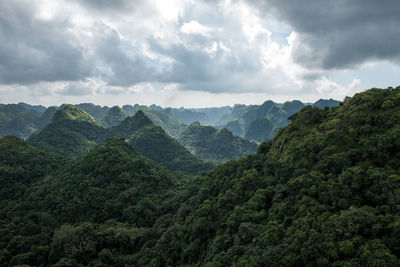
(132, 124)
(267, 105)
(71, 112)
(114, 116)
(115, 110)
(224, 132)
(141, 115)
(195, 124)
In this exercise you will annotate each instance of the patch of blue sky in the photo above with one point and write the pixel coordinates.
(381, 75)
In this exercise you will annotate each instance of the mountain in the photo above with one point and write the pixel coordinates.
(96, 111)
(206, 116)
(260, 130)
(21, 165)
(324, 191)
(37, 108)
(234, 127)
(189, 116)
(47, 116)
(110, 182)
(106, 200)
(114, 116)
(152, 141)
(215, 145)
(322, 103)
(243, 119)
(74, 132)
(165, 118)
(69, 112)
(17, 120)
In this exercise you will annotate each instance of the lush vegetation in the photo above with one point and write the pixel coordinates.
(23, 120)
(324, 191)
(74, 132)
(215, 145)
(260, 130)
(19, 121)
(114, 116)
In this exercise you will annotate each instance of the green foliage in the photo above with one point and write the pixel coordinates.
(234, 127)
(165, 118)
(152, 142)
(73, 113)
(325, 191)
(260, 130)
(20, 165)
(96, 111)
(216, 145)
(17, 120)
(114, 116)
(73, 132)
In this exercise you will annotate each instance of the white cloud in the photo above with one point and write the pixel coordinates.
(158, 50)
(193, 27)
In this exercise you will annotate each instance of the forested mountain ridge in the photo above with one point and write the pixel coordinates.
(114, 116)
(17, 120)
(20, 165)
(325, 190)
(217, 145)
(237, 119)
(74, 132)
(108, 197)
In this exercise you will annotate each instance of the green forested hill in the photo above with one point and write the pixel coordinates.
(104, 201)
(260, 130)
(20, 165)
(325, 191)
(17, 120)
(96, 111)
(74, 132)
(165, 118)
(216, 145)
(114, 116)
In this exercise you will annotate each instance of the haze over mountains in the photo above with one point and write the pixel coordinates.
(227, 132)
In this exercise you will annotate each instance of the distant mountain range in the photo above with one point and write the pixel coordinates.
(199, 130)
(324, 191)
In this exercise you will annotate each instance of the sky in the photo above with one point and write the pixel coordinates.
(195, 53)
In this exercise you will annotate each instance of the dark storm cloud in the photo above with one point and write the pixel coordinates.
(339, 34)
(33, 50)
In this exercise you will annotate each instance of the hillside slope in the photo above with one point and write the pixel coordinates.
(74, 132)
(104, 201)
(324, 191)
(216, 145)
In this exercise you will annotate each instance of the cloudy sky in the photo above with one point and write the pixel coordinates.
(195, 53)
